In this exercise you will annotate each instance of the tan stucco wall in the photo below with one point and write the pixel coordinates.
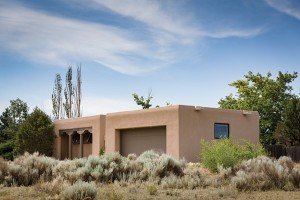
(196, 125)
(185, 127)
(164, 116)
(97, 123)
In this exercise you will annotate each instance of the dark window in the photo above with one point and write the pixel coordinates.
(87, 138)
(221, 130)
(76, 138)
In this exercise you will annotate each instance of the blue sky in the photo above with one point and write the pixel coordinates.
(186, 51)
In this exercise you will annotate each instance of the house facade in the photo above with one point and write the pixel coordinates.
(175, 130)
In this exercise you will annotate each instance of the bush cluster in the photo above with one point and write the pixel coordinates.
(77, 179)
(27, 170)
(226, 153)
(264, 173)
(30, 168)
(80, 190)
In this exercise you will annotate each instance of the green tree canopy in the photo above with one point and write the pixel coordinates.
(288, 130)
(35, 134)
(10, 120)
(263, 94)
(141, 101)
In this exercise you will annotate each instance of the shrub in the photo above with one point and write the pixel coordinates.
(155, 165)
(112, 194)
(31, 168)
(54, 187)
(101, 151)
(226, 153)
(152, 189)
(27, 170)
(131, 156)
(190, 180)
(35, 134)
(80, 190)
(263, 173)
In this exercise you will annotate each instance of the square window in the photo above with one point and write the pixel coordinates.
(221, 130)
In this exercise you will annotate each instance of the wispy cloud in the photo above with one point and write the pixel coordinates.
(152, 14)
(165, 37)
(156, 17)
(44, 38)
(289, 7)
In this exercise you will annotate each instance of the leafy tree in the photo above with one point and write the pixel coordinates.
(57, 98)
(10, 120)
(288, 130)
(145, 103)
(266, 95)
(69, 92)
(35, 134)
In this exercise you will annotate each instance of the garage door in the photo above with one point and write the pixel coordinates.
(139, 140)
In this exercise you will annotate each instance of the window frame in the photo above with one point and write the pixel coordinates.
(228, 130)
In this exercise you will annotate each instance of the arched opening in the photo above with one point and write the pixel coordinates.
(64, 145)
(87, 143)
(75, 145)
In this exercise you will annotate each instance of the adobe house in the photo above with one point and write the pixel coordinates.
(175, 130)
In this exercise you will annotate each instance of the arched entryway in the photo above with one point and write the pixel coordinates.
(76, 143)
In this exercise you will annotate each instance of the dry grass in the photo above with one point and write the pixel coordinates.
(148, 177)
(140, 191)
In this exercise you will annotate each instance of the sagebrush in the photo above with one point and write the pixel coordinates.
(264, 173)
(53, 176)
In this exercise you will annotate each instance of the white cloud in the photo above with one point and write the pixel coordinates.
(289, 7)
(152, 14)
(234, 33)
(164, 39)
(55, 40)
(171, 23)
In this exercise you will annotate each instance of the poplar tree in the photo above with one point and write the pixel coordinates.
(57, 98)
(78, 94)
(69, 94)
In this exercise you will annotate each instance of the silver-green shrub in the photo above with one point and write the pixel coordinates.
(54, 187)
(27, 169)
(30, 168)
(191, 179)
(264, 173)
(155, 165)
(80, 190)
(294, 177)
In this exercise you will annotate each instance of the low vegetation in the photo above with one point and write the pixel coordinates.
(225, 153)
(150, 175)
